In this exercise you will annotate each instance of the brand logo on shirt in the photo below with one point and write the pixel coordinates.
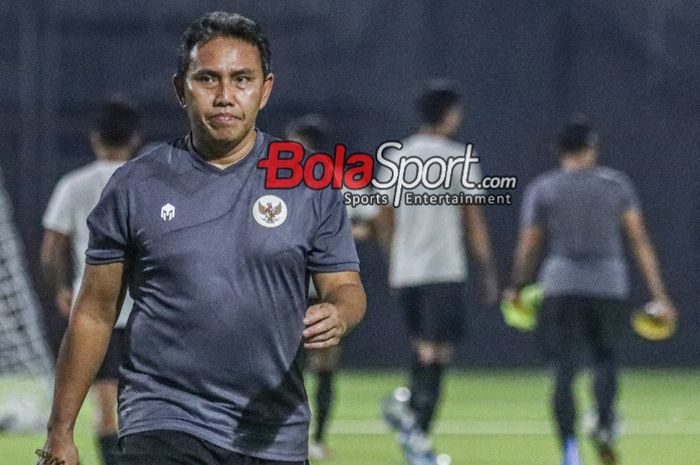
(269, 211)
(167, 212)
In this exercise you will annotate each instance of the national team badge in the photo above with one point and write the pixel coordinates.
(269, 211)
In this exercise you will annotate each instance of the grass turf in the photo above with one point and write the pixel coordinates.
(487, 418)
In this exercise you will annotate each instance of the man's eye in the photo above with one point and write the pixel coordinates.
(206, 79)
(242, 79)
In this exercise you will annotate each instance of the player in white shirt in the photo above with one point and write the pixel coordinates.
(428, 248)
(114, 139)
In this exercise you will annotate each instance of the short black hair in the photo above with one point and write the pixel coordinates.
(222, 24)
(436, 98)
(118, 120)
(315, 129)
(576, 136)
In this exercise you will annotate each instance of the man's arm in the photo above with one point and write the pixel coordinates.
(342, 306)
(384, 225)
(479, 248)
(82, 350)
(643, 250)
(57, 268)
(527, 254)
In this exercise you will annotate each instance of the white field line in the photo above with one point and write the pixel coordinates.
(517, 428)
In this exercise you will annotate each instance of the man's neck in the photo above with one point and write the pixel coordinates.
(434, 131)
(578, 163)
(114, 154)
(225, 154)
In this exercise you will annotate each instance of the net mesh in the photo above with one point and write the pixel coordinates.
(26, 371)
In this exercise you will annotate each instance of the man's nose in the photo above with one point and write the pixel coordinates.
(225, 95)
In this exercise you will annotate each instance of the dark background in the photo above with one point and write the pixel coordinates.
(524, 67)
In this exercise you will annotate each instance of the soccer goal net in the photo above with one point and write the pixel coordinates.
(26, 370)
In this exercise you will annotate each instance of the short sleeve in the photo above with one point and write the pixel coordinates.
(108, 228)
(533, 208)
(59, 211)
(332, 247)
(629, 198)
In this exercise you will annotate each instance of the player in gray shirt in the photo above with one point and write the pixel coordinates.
(218, 267)
(583, 212)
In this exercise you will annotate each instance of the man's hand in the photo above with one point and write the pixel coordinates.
(59, 450)
(64, 300)
(668, 310)
(324, 326)
(511, 295)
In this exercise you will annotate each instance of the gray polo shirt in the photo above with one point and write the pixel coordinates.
(219, 269)
(581, 212)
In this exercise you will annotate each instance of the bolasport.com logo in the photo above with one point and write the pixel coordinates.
(390, 177)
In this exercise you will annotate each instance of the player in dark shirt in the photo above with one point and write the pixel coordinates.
(584, 211)
(219, 268)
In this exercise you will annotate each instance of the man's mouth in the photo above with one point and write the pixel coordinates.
(224, 119)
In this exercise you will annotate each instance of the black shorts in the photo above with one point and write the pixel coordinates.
(114, 356)
(164, 447)
(569, 324)
(435, 312)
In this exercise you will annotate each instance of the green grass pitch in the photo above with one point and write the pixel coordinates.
(487, 418)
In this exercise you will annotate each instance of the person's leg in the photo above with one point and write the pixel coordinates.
(426, 382)
(105, 399)
(603, 331)
(104, 392)
(602, 337)
(324, 363)
(558, 327)
(324, 400)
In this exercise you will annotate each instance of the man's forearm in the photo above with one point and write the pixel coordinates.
(56, 264)
(351, 302)
(384, 225)
(648, 264)
(526, 256)
(82, 351)
(478, 244)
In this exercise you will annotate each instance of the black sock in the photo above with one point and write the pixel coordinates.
(324, 399)
(563, 402)
(109, 448)
(426, 381)
(605, 389)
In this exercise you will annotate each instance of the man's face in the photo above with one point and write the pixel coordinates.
(223, 90)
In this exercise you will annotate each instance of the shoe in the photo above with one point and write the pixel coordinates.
(396, 411)
(571, 453)
(603, 437)
(318, 451)
(418, 450)
(604, 442)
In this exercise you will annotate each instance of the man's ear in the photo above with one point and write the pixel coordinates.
(179, 86)
(267, 89)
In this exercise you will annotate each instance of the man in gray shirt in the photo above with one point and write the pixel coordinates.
(218, 267)
(583, 211)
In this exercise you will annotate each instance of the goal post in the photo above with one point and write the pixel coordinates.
(26, 369)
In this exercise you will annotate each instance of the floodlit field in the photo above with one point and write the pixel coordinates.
(487, 418)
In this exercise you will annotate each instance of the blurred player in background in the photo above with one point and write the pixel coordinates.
(219, 269)
(114, 139)
(583, 211)
(313, 131)
(428, 248)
